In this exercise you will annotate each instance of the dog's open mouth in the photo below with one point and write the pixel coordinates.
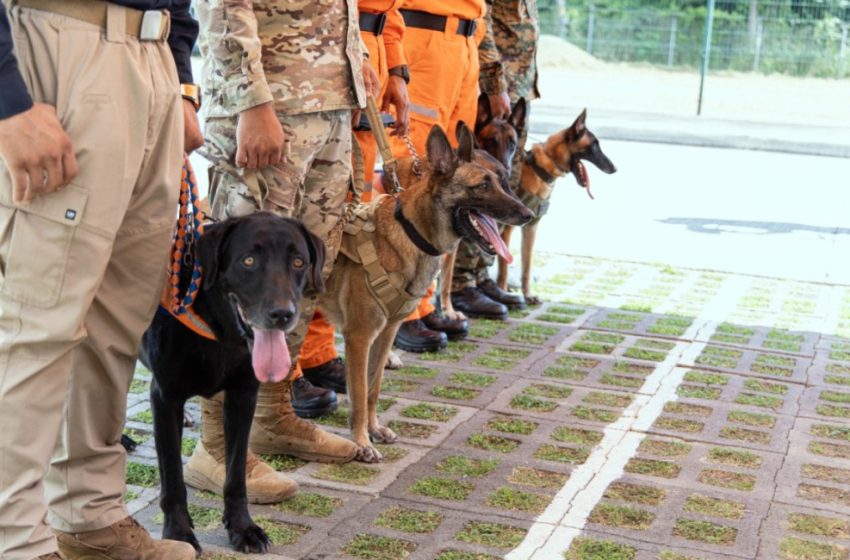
(270, 357)
(483, 230)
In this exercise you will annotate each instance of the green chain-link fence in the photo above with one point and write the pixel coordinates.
(796, 37)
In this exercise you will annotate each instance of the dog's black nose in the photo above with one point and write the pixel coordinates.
(281, 315)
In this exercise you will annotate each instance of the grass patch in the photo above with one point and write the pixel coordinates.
(138, 436)
(455, 352)
(417, 371)
(763, 401)
(837, 379)
(373, 547)
(463, 555)
(827, 474)
(771, 364)
(678, 424)
(145, 417)
(670, 326)
(558, 454)
(734, 457)
(349, 473)
(565, 372)
(698, 392)
(620, 381)
(705, 531)
(715, 356)
(442, 488)
(338, 418)
(597, 343)
(831, 431)
(409, 520)
(130, 495)
(833, 411)
(584, 548)
(649, 350)
(492, 443)
(280, 533)
(726, 479)
(524, 402)
(485, 328)
(632, 368)
(548, 391)
(686, 409)
(766, 386)
(466, 466)
(454, 393)
(707, 378)
(664, 448)
(635, 493)
(536, 478)
(427, 411)
(607, 399)
(823, 494)
(511, 425)
(517, 500)
(529, 333)
(829, 449)
(474, 379)
(139, 386)
(819, 526)
(835, 396)
(751, 418)
(621, 516)
(310, 504)
(138, 474)
(594, 414)
(792, 548)
(283, 463)
(653, 467)
(393, 385)
(187, 446)
(715, 507)
(411, 430)
(743, 434)
(577, 436)
(491, 534)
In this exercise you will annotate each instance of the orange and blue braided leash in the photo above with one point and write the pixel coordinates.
(189, 229)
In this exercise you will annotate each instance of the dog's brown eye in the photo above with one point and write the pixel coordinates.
(298, 262)
(249, 261)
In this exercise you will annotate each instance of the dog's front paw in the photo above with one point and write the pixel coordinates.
(453, 315)
(532, 299)
(250, 539)
(368, 454)
(393, 361)
(183, 534)
(382, 434)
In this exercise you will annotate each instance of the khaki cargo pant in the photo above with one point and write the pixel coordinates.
(310, 185)
(81, 273)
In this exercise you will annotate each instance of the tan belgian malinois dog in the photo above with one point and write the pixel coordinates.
(387, 262)
(561, 154)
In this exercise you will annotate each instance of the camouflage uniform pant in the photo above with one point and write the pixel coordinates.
(471, 265)
(311, 184)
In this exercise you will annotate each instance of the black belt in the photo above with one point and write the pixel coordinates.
(372, 23)
(424, 20)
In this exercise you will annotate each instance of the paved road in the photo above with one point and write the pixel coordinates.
(763, 213)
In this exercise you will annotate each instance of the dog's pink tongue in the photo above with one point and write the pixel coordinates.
(491, 233)
(270, 356)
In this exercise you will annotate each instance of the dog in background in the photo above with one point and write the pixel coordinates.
(562, 153)
(255, 269)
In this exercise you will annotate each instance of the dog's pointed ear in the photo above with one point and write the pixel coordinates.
(517, 118)
(316, 248)
(210, 247)
(465, 142)
(578, 128)
(441, 156)
(462, 125)
(485, 114)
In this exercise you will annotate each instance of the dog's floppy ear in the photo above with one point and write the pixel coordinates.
(485, 114)
(441, 156)
(316, 247)
(210, 247)
(465, 142)
(578, 128)
(517, 118)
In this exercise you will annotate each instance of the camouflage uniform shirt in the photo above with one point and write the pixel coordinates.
(294, 53)
(508, 59)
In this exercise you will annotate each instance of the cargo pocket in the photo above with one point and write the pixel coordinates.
(35, 244)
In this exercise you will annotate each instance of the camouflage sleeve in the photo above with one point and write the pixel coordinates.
(235, 53)
(393, 33)
(492, 78)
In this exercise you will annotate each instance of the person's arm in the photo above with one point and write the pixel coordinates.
(396, 92)
(184, 33)
(14, 97)
(492, 77)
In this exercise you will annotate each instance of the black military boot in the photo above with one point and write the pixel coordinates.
(494, 292)
(473, 303)
(312, 402)
(414, 336)
(329, 375)
(455, 329)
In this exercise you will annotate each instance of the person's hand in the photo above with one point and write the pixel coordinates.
(259, 137)
(500, 105)
(396, 95)
(192, 136)
(371, 80)
(37, 152)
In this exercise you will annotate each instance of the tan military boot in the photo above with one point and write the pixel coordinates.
(206, 468)
(125, 540)
(278, 431)
(52, 556)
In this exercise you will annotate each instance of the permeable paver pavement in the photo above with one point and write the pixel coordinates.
(643, 412)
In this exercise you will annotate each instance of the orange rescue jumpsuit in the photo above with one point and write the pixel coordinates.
(385, 52)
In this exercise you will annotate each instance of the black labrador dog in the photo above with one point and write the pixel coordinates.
(255, 269)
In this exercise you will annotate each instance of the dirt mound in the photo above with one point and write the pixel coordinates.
(554, 52)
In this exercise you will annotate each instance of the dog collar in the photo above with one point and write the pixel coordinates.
(414, 235)
(544, 175)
